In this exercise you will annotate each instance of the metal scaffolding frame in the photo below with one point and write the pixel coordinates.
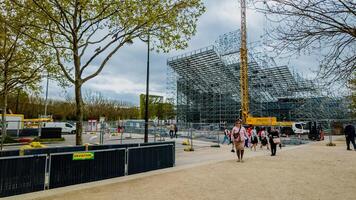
(205, 86)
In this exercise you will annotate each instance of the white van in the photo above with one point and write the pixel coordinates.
(66, 127)
(300, 128)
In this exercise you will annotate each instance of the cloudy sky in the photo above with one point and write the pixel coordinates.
(124, 77)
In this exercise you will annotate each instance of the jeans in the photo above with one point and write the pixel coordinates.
(171, 133)
(273, 149)
(246, 143)
(225, 139)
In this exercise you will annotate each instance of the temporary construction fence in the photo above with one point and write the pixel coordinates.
(8, 153)
(101, 164)
(201, 134)
(204, 131)
(52, 150)
(147, 158)
(128, 129)
(38, 151)
(130, 126)
(23, 174)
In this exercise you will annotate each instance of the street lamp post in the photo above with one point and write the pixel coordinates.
(147, 89)
(46, 102)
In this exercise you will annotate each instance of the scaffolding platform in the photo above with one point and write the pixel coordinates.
(205, 87)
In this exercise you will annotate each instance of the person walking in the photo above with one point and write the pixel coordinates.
(254, 139)
(239, 134)
(274, 140)
(350, 136)
(171, 130)
(175, 128)
(263, 138)
(232, 142)
(248, 138)
(226, 136)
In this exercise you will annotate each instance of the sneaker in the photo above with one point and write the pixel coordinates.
(233, 151)
(348, 149)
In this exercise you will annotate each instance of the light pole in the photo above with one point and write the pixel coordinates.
(46, 103)
(147, 88)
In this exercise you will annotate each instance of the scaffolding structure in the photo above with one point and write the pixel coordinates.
(205, 86)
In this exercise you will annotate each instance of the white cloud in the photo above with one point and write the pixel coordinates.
(123, 85)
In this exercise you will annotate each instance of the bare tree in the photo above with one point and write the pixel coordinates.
(323, 26)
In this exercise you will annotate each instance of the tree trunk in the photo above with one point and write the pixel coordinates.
(79, 112)
(17, 101)
(78, 81)
(3, 117)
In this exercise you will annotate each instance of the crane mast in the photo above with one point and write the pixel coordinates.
(245, 112)
(243, 66)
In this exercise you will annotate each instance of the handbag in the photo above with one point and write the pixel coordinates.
(277, 140)
(237, 136)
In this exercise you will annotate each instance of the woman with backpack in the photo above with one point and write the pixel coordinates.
(239, 134)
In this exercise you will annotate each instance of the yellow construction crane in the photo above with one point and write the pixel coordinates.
(245, 111)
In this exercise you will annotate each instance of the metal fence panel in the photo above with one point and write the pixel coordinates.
(160, 143)
(106, 164)
(50, 132)
(148, 158)
(26, 132)
(50, 150)
(22, 174)
(112, 146)
(157, 143)
(7, 153)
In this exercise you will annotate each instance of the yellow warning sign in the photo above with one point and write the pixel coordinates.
(83, 156)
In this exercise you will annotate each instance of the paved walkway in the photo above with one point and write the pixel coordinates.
(312, 171)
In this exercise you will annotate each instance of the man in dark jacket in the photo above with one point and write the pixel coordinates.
(273, 134)
(350, 136)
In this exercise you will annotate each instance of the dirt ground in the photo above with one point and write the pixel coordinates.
(311, 172)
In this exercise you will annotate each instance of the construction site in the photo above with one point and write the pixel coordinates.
(206, 85)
